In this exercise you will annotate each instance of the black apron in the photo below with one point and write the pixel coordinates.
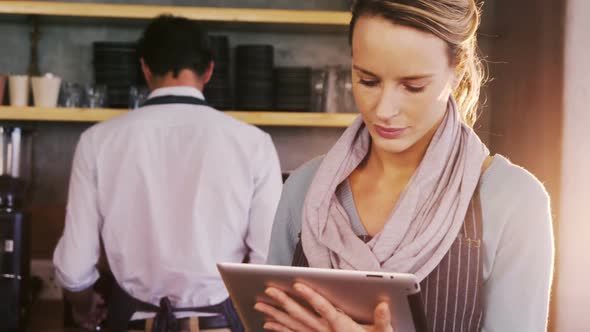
(163, 100)
(122, 306)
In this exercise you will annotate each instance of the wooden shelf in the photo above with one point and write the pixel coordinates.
(338, 19)
(287, 119)
(291, 119)
(207, 14)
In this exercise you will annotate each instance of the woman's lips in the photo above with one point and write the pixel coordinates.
(389, 133)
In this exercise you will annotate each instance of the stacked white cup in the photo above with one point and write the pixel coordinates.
(46, 90)
(19, 90)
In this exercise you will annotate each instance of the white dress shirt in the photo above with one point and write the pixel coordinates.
(172, 190)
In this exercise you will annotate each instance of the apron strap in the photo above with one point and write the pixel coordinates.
(170, 99)
(121, 308)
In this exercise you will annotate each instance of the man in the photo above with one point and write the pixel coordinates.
(170, 189)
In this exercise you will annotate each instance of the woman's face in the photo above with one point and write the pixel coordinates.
(402, 81)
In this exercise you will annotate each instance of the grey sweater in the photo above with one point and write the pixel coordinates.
(517, 241)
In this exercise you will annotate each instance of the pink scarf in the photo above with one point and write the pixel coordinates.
(426, 220)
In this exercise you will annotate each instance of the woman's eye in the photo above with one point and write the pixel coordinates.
(415, 89)
(369, 83)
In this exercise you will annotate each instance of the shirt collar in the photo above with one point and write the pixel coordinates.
(177, 91)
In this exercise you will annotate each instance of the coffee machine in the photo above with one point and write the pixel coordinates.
(15, 227)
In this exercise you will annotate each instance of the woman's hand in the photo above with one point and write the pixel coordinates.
(294, 317)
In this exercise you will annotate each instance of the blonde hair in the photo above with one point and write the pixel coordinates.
(455, 22)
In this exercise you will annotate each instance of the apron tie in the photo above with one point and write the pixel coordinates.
(165, 320)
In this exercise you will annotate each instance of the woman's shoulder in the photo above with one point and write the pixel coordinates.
(514, 204)
(287, 223)
(508, 182)
(299, 181)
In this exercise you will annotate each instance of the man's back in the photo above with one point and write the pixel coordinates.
(177, 188)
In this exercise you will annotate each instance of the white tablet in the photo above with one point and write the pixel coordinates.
(356, 293)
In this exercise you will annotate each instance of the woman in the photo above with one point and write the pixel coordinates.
(409, 187)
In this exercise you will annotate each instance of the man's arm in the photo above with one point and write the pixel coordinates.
(78, 250)
(265, 199)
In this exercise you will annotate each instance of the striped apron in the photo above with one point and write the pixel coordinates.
(451, 294)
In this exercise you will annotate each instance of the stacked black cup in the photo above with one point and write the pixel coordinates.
(254, 77)
(116, 65)
(293, 89)
(218, 90)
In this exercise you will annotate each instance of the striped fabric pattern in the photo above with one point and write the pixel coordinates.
(452, 292)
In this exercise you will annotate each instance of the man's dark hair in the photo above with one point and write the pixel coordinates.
(171, 44)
